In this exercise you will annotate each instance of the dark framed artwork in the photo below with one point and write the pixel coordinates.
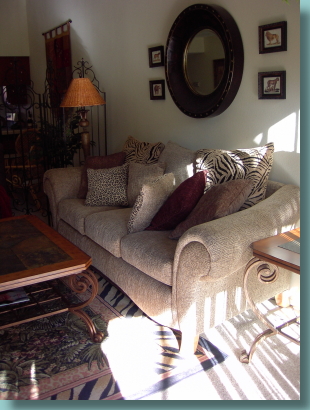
(272, 37)
(272, 85)
(157, 90)
(156, 56)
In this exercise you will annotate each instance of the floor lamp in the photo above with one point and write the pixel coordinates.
(82, 93)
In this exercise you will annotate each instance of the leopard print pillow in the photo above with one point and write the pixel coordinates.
(107, 186)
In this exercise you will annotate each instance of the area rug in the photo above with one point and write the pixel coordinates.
(54, 359)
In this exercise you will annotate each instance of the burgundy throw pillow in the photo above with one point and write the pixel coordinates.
(220, 200)
(99, 162)
(180, 203)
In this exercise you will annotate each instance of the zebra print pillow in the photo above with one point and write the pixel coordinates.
(252, 163)
(142, 152)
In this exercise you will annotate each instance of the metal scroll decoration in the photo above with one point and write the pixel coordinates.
(80, 283)
(266, 273)
(98, 114)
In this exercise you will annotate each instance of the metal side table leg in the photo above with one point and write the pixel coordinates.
(265, 274)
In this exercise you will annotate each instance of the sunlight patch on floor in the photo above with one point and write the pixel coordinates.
(34, 388)
(266, 376)
(132, 345)
(132, 353)
(135, 356)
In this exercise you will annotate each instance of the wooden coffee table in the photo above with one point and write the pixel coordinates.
(270, 254)
(34, 256)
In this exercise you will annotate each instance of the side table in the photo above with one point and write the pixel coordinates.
(268, 255)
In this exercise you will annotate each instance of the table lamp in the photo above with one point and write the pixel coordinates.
(82, 93)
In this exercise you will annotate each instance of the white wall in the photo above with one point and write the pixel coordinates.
(114, 36)
(13, 28)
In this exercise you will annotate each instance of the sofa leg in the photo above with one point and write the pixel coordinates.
(188, 345)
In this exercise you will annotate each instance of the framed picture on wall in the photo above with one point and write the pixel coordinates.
(272, 85)
(272, 37)
(157, 90)
(156, 56)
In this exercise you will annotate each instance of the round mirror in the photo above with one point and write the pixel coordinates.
(204, 60)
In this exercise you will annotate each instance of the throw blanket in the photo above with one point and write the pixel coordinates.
(5, 204)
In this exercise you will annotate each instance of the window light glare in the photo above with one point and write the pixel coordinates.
(258, 139)
(283, 134)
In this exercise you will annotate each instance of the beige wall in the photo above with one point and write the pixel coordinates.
(13, 28)
(114, 36)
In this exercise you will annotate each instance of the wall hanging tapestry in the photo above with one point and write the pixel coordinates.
(58, 57)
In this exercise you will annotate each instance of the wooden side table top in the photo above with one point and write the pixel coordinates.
(268, 250)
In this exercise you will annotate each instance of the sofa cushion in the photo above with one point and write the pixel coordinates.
(99, 162)
(179, 160)
(151, 198)
(180, 203)
(221, 200)
(140, 174)
(107, 186)
(74, 212)
(150, 252)
(252, 163)
(142, 152)
(107, 229)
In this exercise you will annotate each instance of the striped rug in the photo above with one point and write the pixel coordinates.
(137, 358)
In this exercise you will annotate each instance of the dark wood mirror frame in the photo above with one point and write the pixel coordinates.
(190, 22)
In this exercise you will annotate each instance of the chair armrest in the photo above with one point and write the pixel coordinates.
(227, 241)
(59, 184)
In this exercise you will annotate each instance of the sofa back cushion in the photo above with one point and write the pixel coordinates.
(107, 186)
(220, 200)
(252, 163)
(99, 162)
(140, 174)
(180, 203)
(179, 160)
(142, 152)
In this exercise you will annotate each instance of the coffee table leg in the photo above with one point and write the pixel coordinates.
(80, 283)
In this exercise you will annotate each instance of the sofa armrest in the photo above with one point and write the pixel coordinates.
(59, 184)
(206, 254)
(227, 241)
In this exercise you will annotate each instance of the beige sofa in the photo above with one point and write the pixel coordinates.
(189, 284)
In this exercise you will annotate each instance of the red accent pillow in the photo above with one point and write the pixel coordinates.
(180, 203)
(99, 162)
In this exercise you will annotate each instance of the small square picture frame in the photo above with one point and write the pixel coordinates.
(272, 85)
(272, 37)
(157, 89)
(156, 56)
